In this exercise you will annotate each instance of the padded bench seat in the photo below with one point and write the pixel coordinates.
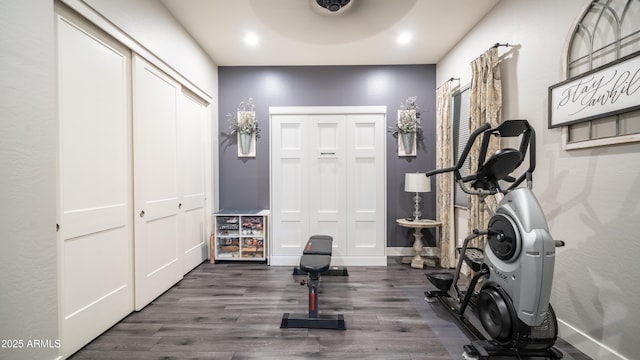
(314, 264)
(315, 259)
(316, 255)
(319, 245)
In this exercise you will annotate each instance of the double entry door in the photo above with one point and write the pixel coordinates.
(328, 177)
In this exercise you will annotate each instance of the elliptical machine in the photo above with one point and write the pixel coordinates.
(516, 263)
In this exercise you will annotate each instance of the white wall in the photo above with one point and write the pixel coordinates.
(590, 196)
(29, 134)
(151, 24)
(156, 32)
(28, 295)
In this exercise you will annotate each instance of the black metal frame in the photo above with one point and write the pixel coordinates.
(480, 346)
(315, 260)
(313, 320)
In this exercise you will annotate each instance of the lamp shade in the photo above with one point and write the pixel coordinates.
(416, 182)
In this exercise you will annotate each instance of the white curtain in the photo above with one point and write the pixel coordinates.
(485, 107)
(445, 181)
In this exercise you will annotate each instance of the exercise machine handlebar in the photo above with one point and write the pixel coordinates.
(463, 156)
(509, 128)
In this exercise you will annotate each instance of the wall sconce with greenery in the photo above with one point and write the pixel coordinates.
(408, 130)
(245, 125)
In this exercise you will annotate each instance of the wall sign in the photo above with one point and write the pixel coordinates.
(607, 90)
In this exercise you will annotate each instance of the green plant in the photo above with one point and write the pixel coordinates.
(244, 120)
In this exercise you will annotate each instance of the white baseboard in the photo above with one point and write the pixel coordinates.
(358, 260)
(587, 344)
(335, 260)
(429, 251)
(400, 251)
(278, 260)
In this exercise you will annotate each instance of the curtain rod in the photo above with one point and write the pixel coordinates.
(449, 80)
(498, 44)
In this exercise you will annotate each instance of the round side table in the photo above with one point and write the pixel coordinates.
(417, 261)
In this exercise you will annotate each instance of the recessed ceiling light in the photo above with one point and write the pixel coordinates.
(404, 38)
(251, 39)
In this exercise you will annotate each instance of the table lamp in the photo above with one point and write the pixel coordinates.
(416, 183)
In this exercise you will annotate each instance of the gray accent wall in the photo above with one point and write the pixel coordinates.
(244, 182)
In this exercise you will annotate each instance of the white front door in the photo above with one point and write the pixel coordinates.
(328, 178)
(94, 189)
(158, 251)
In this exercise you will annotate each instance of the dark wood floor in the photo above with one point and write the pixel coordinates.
(233, 311)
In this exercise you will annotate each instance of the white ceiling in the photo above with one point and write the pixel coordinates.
(299, 32)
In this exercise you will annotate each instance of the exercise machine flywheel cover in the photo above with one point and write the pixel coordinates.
(504, 238)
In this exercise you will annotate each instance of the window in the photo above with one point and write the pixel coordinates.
(607, 31)
(460, 129)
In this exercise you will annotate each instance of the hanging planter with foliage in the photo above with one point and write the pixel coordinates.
(408, 130)
(245, 125)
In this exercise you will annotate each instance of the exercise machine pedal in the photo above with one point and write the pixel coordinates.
(474, 258)
(487, 349)
(442, 281)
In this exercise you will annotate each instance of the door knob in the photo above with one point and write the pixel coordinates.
(142, 213)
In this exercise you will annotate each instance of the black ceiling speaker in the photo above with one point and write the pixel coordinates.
(333, 5)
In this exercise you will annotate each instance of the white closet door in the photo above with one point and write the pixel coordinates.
(95, 238)
(366, 174)
(158, 253)
(328, 179)
(289, 186)
(192, 127)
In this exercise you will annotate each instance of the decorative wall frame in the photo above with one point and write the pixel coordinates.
(604, 91)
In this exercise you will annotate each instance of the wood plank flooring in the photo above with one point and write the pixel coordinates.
(233, 311)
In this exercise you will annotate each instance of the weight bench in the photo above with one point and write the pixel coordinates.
(315, 259)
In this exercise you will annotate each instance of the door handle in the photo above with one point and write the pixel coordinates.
(142, 213)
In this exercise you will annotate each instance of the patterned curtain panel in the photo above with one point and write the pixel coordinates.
(485, 105)
(444, 194)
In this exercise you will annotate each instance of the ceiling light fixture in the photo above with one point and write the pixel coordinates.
(333, 5)
(251, 39)
(404, 38)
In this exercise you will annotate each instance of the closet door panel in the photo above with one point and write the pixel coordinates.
(156, 183)
(366, 185)
(290, 185)
(327, 176)
(192, 125)
(95, 238)
(328, 179)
